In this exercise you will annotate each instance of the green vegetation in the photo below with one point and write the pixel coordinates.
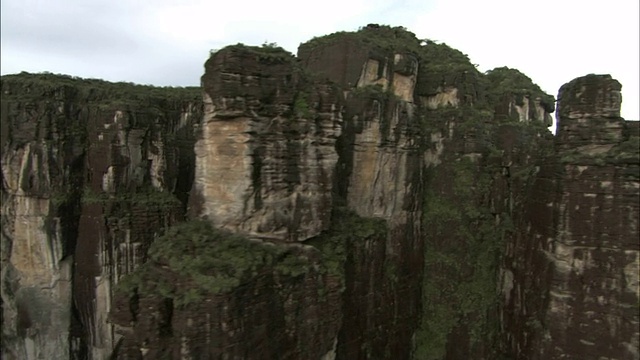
(346, 229)
(148, 197)
(397, 39)
(25, 86)
(468, 219)
(375, 92)
(627, 151)
(268, 53)
(384, 37)
(193, 260)
(59, 198)
(630, 146)
(504, 80)
(301, 107)
(461, 259)
(387, 101)
(442, 54)
(440, 66)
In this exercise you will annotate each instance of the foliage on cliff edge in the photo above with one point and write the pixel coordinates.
(53, 86)
(193, 260)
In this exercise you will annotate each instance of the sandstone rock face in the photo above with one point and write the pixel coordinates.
(70, 156)
(267, 153)
(530, 110)
(515, 97)
(593, 294)
(131, 176)
(37, 261)
(379, 174)
(375, 197)
(266, 156)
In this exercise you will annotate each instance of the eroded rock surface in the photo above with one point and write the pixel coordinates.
(593, 293)
(266, 157)
(375, 197)
(88, 176)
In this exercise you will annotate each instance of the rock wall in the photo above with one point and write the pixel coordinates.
(290, 159)
(375, 197)
(266, 157)
(593, 293)
(89, 170)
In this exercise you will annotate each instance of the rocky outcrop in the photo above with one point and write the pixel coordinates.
(266, 157)
(375, 197)
(593, 292)
(515, 97)
(300, 158)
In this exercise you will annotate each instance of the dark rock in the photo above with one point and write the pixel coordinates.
(385, 200)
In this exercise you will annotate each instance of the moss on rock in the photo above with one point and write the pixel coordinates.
(382, 37)
(347, 227)
(193, 260)
(505, 81)
(268, 53)
(28, 86)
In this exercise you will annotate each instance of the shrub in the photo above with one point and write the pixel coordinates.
(193, 260)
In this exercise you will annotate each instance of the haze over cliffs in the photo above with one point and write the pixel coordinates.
(373, 197)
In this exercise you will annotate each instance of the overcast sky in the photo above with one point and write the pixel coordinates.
(165, 42)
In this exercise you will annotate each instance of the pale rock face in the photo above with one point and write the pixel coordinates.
(591, 97)
(403, 85)
(507, 283)
(331, 355)
(36, 309)
(36, 270)
(522, 110)
(447, 97)
(433, 157)
(158, 164)
(223, 170)
(530, 110)
(108, 181)
(402, 82)
(378, 182)
(114, 250)
(253, 179)
(608, 260)
(369, 75)
(540, 114)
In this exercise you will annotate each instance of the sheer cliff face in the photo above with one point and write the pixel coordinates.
(374, 198)
(36, 276)
(72, 153)
(593, 293)
(266, 157)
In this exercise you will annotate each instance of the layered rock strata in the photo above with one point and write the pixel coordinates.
(375, 197)
(593, 289)
(266, 157)
(89, 176)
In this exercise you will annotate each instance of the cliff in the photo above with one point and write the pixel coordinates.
(593, 289)
(373, 197)
(91, 173)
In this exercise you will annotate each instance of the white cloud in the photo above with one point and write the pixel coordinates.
(166, 42)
